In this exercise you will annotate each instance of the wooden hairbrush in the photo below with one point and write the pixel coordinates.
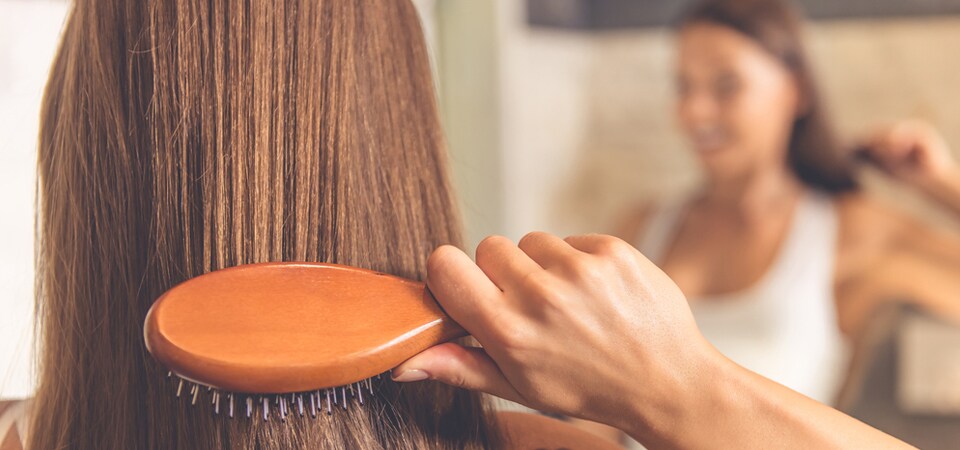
(292, 327)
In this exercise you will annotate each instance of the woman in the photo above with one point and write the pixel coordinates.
(180, 137)
(780, 255)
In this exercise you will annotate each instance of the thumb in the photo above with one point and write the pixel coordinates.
(462, 367)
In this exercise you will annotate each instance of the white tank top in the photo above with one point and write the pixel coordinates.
(784, 327)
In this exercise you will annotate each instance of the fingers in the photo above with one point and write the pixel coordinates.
(613, 249)
(463, 290)
(462, 367)
(883, 149)
(503, 262)
(600, 245)
(546, 249)
(900, 143)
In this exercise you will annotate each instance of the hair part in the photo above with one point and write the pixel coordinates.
(814, 153)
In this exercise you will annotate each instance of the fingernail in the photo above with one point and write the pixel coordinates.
(411, 375)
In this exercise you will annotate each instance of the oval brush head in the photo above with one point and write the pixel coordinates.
(292, 327)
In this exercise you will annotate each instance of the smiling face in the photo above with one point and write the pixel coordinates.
(736, 102)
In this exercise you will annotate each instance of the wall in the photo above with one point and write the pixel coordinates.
(28, 39)
(588, 126)
(467, 57)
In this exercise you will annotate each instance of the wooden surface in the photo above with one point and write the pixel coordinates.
(291, 327)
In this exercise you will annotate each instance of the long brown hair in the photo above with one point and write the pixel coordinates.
(184, 136)
(814, 153)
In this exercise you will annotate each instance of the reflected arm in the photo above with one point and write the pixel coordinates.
(945, 190)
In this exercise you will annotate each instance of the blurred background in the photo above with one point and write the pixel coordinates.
(559, 125)
(29, 31)
(559, 114)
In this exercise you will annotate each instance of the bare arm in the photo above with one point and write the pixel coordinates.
(915, 153)
(589, 328)
(744, 410)
(888, 256)
(913, 272)
(946, 190)
(923, 266)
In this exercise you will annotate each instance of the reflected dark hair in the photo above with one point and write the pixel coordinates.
(814, 154)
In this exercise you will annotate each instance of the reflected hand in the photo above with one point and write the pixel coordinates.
(912, 151)
(584, 326)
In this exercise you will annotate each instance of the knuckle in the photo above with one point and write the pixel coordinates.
(530, 238)
(438, 259)
(544, 291)
(537, 284)
(494, 239)
(489, 244)
(583, 267)
(613, 247)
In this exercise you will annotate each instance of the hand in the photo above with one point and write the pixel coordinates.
(589, 328)
(584, 326)
(914, 152)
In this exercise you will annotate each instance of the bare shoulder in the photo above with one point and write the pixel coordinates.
(530, 431)
(885, 254)
(10, 438)
(869, 227)
(861, 215)
(866, 229)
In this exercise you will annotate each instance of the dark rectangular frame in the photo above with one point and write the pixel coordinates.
(620, 14)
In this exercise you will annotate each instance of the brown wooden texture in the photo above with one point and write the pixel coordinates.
(290, 327)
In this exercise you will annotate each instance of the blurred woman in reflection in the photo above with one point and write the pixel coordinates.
(781, 255)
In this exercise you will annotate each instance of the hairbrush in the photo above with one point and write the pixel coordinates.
(291, 335)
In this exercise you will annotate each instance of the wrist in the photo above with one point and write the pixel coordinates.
(945, 187)
(945, 178)
(667, 414)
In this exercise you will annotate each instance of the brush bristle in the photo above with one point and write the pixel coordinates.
(267, 406)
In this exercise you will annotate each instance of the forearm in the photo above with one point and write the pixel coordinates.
(945, 190)
(740, 409)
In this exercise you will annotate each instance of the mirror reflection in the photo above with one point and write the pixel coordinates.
(793, 175)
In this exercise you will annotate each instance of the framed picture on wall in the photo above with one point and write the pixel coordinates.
(616, 14)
